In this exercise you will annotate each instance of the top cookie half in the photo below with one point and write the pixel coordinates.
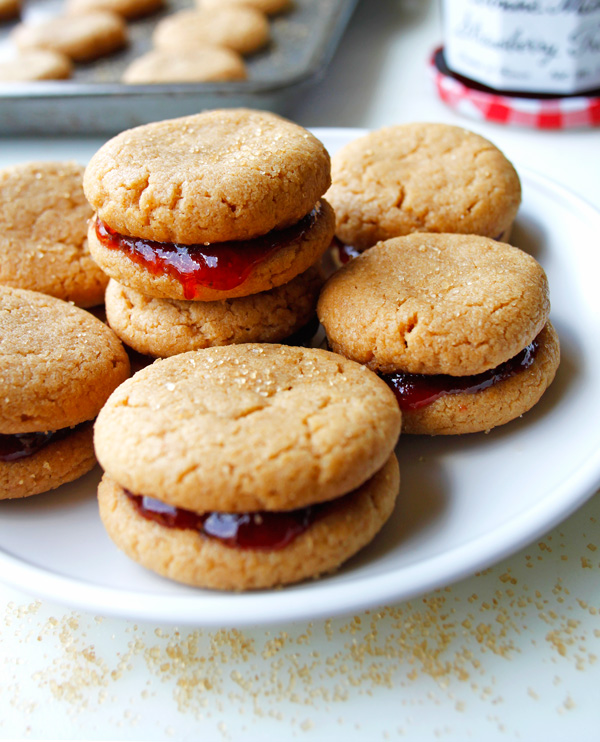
(422, 177)
(216, 176)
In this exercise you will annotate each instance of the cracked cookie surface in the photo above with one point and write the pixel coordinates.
(58, 363)
(221, 175)
(435, 304)
(422, 177)
(165, 327)
(43, 232)
(247, 427)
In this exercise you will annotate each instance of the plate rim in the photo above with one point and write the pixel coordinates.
(215, 609)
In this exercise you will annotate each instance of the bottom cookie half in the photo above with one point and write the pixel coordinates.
(188, 556)
(57, 463)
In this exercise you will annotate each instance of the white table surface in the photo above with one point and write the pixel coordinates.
(511, 653)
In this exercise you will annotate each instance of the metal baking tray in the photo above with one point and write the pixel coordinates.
(94, 101)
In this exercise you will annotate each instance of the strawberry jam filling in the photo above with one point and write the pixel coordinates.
(20, 445)
(221, 266)
(262, 530)
(414, 391)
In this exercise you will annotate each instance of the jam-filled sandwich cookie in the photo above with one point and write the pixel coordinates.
(247, 466)
(165, 327)
(58, 365)
(456, 324)
(43, 232)
(421, 177)
(207, 207)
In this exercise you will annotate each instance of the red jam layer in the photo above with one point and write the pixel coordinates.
(222, 266)
(20, 445)
(414, 391)
(262, 531)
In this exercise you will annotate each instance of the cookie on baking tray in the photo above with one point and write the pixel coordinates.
(270, 7)
(241, 28)
(37, 64)
(81, 37)
(213, 206)
(58, 365)
(457, 324)
(421, 177)
(165, 327)
(125, 8)
(247, 466)
(43, 232)
(204, 64)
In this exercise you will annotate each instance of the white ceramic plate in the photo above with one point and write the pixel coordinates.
(465, 502)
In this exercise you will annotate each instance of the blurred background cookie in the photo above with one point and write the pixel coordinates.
(36, 64)
(126, 8)
(205, 64)
(240, 28)
(81, 37)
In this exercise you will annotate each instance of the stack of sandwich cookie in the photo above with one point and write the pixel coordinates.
(58, 366)
(456, 324)
(203, 210)
(247, 466)
(420, 177)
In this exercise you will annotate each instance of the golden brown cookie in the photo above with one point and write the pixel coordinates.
(247, 427)
(336, 532)
(416, 307)
(165, 327)
(422, 177)
(43, 232)
(221, 175)
(38, 64)
(81, 37)
(208, 207)
(206, 64)
(58, 365)
(61, 460)
(125, 8)
(270, 7)
(241, 28)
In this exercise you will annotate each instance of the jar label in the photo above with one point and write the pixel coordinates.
(537, 46)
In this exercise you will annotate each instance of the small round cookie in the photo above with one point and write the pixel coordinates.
(165, 327)
(241, 428)
(229, 174)
(255, 274)
(37, 64)
(81, 37)
(457, 325)
(242, 29)
(206, 64)
(269, 7)
(43, 232)
(422, 177)
(125, 8)
(58, 365)
(191, 557)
